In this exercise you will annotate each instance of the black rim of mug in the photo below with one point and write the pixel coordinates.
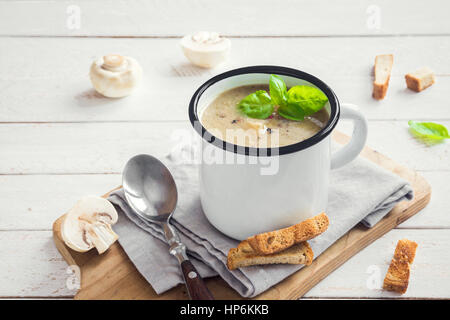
(282, 71)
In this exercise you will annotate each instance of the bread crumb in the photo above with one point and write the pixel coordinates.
(420, 79)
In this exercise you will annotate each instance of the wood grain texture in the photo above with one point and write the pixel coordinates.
(437, 214)
(232, 17)
(44, 79)
(362, 275)
(31, 266)
(111, 270)
(43, 205)
(59, 89)
(195, 285)
(80, 148)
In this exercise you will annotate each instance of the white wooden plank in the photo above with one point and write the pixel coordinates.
(47, 79)
(430, 275)
(31, 266)
(58, 88)
(81, 148)
(34, 202)
(105, 147)
(400, 103)
(62, 58)
(392, 139)
(437, 213)
(233, 17)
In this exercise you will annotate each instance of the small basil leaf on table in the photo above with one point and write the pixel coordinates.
(278, 90)
(257, 105)
(307, 98)
(428, 132)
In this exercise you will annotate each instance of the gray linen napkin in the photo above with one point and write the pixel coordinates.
(359, 192)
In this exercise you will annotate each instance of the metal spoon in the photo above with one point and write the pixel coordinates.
(151, 192)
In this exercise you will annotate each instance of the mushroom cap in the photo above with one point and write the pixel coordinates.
(205, 41)
(206, 49)
(115, 76)
(87, 211)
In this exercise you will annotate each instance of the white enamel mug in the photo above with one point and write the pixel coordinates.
(245, 191)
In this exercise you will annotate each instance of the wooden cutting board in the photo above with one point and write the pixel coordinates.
(113, 276)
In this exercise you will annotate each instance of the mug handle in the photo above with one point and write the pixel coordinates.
(352, 149)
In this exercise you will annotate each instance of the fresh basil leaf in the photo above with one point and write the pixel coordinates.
(429, 132)
(307, 98)
(257, 105)
(278, 90)
(292, 112)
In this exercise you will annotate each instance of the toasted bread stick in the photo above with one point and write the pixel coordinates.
(244, 256)
(382, 70)
(278, 240)
(397, 277)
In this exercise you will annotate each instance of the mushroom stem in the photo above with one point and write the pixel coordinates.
(102, 236)
(115, 76)
(113, 62)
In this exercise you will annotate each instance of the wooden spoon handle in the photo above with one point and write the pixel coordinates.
(196, 287)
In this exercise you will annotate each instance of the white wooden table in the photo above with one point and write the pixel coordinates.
(59, 140)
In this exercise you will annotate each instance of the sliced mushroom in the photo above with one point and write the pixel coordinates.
(88, 225)
(206, 49)
(115, 76)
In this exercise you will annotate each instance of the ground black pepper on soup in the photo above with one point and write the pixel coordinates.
(223, 119)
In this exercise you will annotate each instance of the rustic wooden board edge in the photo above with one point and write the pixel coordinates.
(346, 247)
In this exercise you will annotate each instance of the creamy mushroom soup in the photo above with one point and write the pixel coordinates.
(225, 121)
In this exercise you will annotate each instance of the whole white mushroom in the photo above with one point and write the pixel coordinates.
(206, 49)
(115, 76)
